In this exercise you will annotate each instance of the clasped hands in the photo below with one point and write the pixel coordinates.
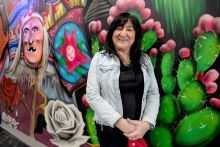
(132, 129)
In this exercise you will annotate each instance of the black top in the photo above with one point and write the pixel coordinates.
(131, 84)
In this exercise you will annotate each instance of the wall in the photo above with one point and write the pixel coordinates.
(186, 66)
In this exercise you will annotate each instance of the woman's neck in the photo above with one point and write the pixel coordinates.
(124, 56)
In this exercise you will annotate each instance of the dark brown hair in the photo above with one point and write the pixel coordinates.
(135, 52)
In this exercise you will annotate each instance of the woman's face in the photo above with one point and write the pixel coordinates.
(124, 36)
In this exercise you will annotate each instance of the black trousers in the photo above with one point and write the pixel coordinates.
(111, 137)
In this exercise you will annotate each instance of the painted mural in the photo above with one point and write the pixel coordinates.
(45, 52)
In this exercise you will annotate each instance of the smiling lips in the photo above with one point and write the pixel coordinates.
(123, 39)
(31, 49)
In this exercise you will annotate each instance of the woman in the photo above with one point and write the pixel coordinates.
(121, 86)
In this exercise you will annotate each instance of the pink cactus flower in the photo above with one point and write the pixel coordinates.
(164, 48)
(205, 22)
(153, 52)
(211, 76)
(126, 5)
(114, 11)
(140, 5)
(149, 24)
(184, 52)
(171, 44)
(132, 3)
(102, 36)
(160, 33)
(145, 13)
(110, 19)
(157, 25)
(215, 102)
(95, 26)
(216, 25)
(122, 5)
(197, 31)
(84, 101)
(211, 87)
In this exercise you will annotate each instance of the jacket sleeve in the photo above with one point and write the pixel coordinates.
(152, 97)
(99, 105)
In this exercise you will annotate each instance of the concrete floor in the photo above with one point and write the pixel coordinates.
(8, 140)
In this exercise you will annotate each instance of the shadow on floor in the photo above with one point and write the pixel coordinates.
(8, 140)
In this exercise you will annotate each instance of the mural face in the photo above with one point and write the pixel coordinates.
(32, 41)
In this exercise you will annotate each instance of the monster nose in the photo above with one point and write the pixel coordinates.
(31, 41)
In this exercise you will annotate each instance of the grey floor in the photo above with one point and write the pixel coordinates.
(8, 140)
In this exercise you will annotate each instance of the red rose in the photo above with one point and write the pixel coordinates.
(9, 93)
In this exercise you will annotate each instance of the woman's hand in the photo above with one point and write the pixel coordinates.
(141, 127)
(125, 126)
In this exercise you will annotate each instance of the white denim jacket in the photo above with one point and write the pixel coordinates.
(103, 93)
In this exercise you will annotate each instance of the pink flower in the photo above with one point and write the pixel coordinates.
(171, 44)
(153, 52)
(145, 13)
(148, 25)
(114, 11)
(184, 52)
(211, 76)
(102, 36)
(168, 46)
(122, 5)
(126, 5)
(205, 22)
(164, 48)
(95, 26)
(211, 87)
(215, 102)
(208, 80)
(216, 25)
(84, 101)
(197, 31)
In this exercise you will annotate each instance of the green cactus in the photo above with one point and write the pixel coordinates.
(192, 97)
(161, 137)
(168, 83)
(169, 110)
(167, 63)
(153, 61)
(95, 44)
(135, 13)
(148, 39)
(206, 51)
(185, 73)
(198, 128)
(91, 127)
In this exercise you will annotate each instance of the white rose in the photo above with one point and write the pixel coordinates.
(65, 123)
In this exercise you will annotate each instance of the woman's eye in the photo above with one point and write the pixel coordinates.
(119, 28)
(130, 29)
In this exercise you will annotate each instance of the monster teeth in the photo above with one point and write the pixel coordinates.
(31, 49)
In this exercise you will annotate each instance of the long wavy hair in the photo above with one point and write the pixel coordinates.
(19, 70)
(135, 51)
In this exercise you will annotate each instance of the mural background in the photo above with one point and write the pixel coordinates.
(90, 19)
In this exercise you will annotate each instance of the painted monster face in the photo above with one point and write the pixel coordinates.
(32, 41)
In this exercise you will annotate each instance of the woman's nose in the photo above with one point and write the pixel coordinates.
(123, 32)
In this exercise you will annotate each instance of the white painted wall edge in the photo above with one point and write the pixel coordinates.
(23, 137)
